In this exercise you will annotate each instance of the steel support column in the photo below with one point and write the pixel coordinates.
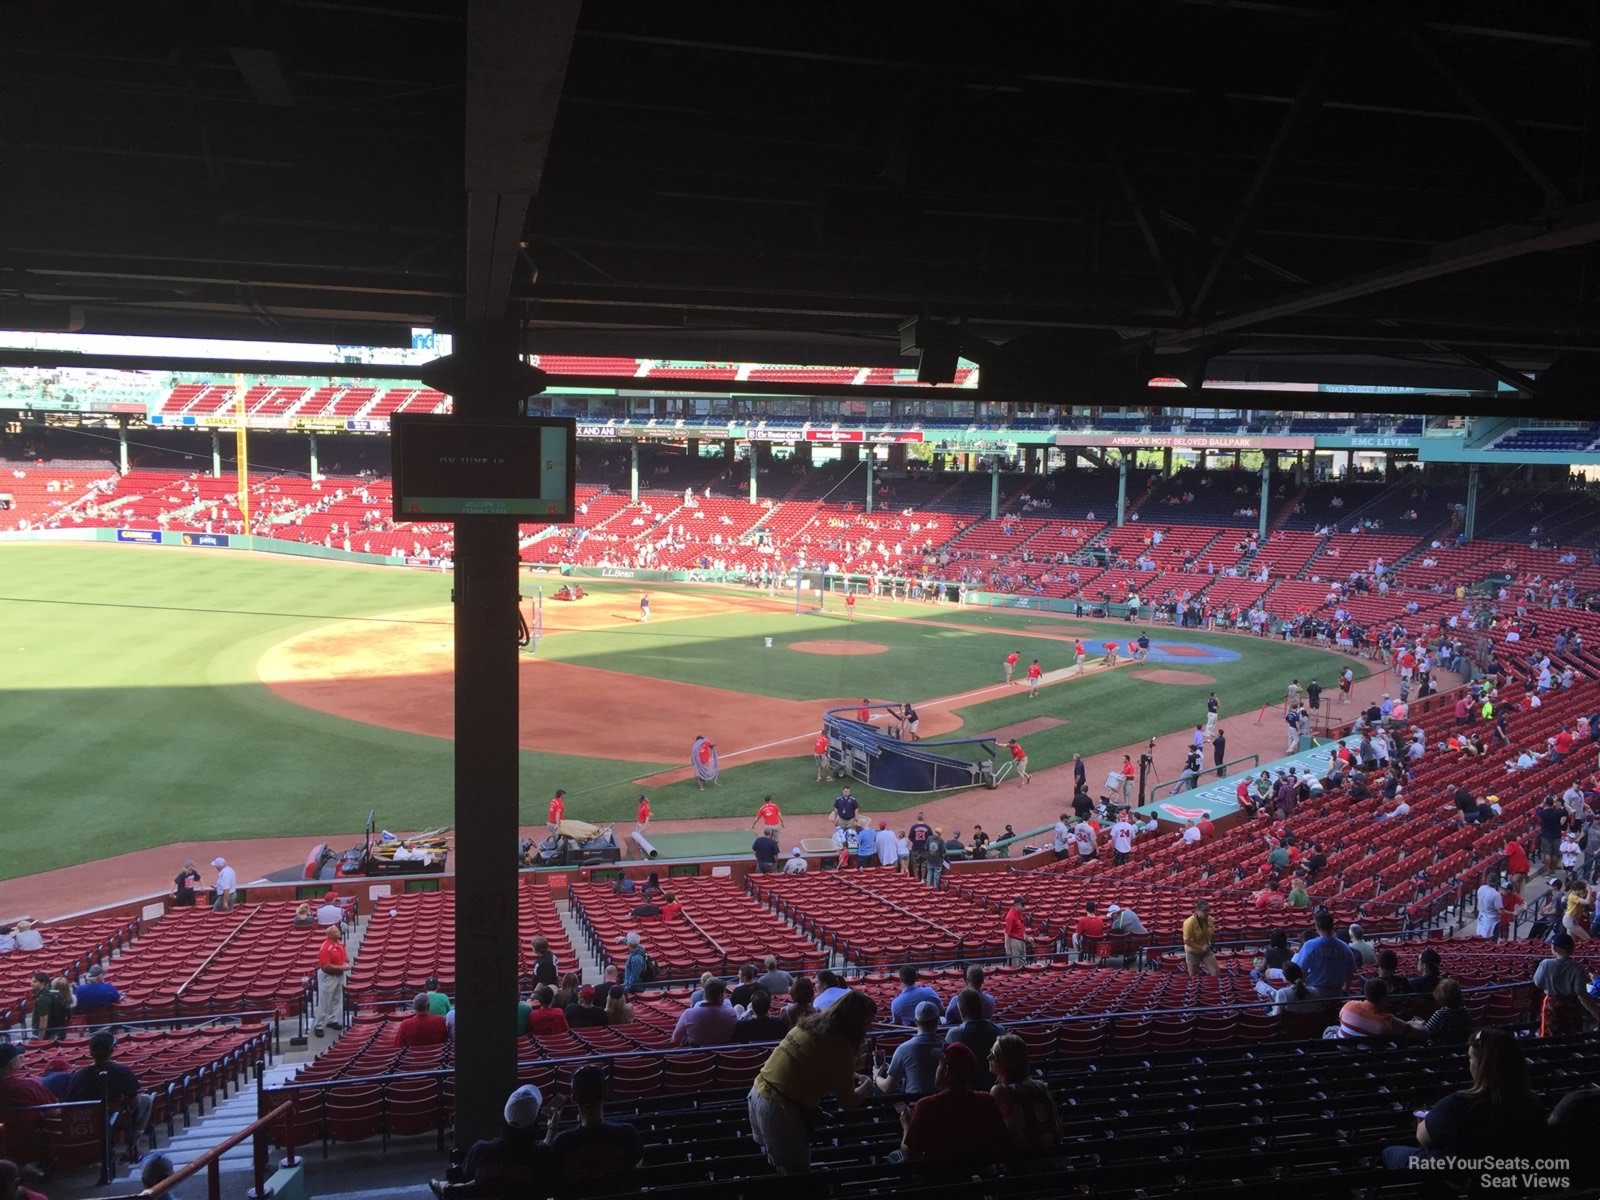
(216, 455)
(754, 462)
(316, 473)
(1122, 488)
(994, 487)
(122, 445)
(633, 472)
(869, 461)
(1266, 495)
(1469, 526)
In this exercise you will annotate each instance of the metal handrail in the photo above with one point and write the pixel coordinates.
(211, 1161)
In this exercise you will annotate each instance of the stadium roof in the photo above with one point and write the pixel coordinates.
(1282, 188)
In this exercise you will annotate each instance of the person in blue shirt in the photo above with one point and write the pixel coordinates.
(98, 992)
(903, 1009)
(866, 845)
(1328, 962)
(633, 979)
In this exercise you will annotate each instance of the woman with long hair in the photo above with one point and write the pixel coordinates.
(618, 1010)
(567, 993)
(816, 1058)
(1025, 1103)
(1291, 995)
(801, 994)
(1499, 1116)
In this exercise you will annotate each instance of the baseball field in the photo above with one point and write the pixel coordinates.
(151, 695)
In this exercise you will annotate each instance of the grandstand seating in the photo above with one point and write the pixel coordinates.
(69, 949)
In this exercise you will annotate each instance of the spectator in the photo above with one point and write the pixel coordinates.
(1370, 1016)
(98, 993)
(1091, 927)
(833, 989)
(1428, 970)
(599, 1156)
(225, 891)
(331, 912)
(955, 1122)
(766, 849)
(11, 1186)
(422, 1027)
(915, 1061)
(119, 1084)
(618, 1010)
(638, 964)
(333, 963)
(183, 882)
(815, 1059)
(21, 1091)
(934, 849)
(796, 864)
(438, 1002)
(1016, 933)
(545, 969)
(1565, 985)
(587, 1009)
(802, 993)
(671, 906)
(304, 918)
(746, 985)
(1199, 934)
(1498, 1116)
(155, 1167)
(1490, 906)
(759, 1025)
(51, 1010)
(976, 1032)
(974, 979)
(1572, 1124)
(1026, 1106)
(1286, 987)
(776, 981)
(570, 990)
(1580, 910)
(1364, 950)
(709, 1023)
(516, 1158)
(912, 994)
(1450, 1021)
(546, 1018)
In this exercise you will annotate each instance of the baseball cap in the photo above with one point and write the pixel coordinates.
(96, 971)
(927, 1013)
(219, 862)
(586, 992)
(960, 1064)
(331, 897)
(1113, 908)
(523, 1105)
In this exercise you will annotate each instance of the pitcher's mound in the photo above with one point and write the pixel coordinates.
(1164, 675)
(838, 647)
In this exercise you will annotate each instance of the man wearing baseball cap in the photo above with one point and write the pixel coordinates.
(955, 1122)
(516, 1156)
(120, 1084)
(21, 1091)
(226, 889)
(330, 912)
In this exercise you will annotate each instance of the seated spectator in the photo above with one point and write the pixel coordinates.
(1364, 949)
(18, 1090)
(1286, 987)
(1428, 968)
(598, 1156)
(99, 992)
(1572, 1124)
(1026, 1106)
(120, 1084)
(331, 912)
(671, 906)
(815, 1059)
(796, 862)
(1450, 1021)
(303, 916)
(618, 1011)
(956, 1122)
(438, 1002)
(1388, 964)
(913, 1065)
(976, 1032)
(569, 991)
(1370, 1016)
(912, 994)
(802, 993)
(28, 938)
(546, 1018)
(974, 979)
(746, 985)
(1499, 1116)
(422, 1027)
(776, 981)
(516, 1157)
(759, 1025)
(709, 1023)
(833, 989)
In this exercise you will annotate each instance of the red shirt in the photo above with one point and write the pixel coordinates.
(670, 910)
(1035, 670)
(1563, 743)
(1516, 858)
(864, 715)
(644, 812)
(1011, 659)
(1018, 753)
(1092, 926)
(1128, 771)
(705, 752)
(768, 814)
(332, 954)
(1204, 827)
(850, 599)
(421, 1029)
(820, 746)
(543, 1021)
(1014, 926)
(558, 810)
(1077, 648)
(1111, 647)
(953, 1124)
(19, 1091)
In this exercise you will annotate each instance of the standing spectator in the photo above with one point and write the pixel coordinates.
(919, 835)
(916, 1060)
(1091, 927)
(1364, 950)
(22, 1091)
(912, 995)
(866, 845)
(766, 850)
(1551, 816)
(225, 892)
(1061, 840)
(955, 1122)
(709, 1023)
(51, 1010)
(1199, 934)
(183, 885)
(1498, 1116)
(1565, 985)
(1580, 910)
(1327, 962)
(545, 968)
(599, 1156)
(119, 1084)
(333, 963)
(1122, 838)
(1517, 865)
(422, 1027)
(816, 1058)
(934, 870)
(759, 1025)
(1016, 933)
(1219, 753)
(888, 846)
(1026, 1105)
(976, 1032)
(1490, 906)
(546, 1018)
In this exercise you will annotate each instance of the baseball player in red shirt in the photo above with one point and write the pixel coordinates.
(850, 605)
(1011, 664)
(819, 751)
(1019, 756)
(1035, 673)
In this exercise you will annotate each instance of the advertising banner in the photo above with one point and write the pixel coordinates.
(147, 537)
(217, 540)
(590, 429)
(1187, 441)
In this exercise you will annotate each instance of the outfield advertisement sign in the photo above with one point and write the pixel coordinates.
(146, 537)
(217, 540)
(1187, 441)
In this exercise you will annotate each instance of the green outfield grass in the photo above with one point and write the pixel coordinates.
(132, 715)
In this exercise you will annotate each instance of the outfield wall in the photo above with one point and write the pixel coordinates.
(145, 536)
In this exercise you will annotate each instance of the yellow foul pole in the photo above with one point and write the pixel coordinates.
(241, 449)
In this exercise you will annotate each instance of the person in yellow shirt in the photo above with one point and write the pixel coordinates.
(1199, 934)
(1579, 911)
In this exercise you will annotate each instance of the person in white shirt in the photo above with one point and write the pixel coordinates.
(1062, 837)
(331, 911)
(1490, 906)
(1122, 839)
(7, 942)
(796, 864)
(27, 937)
(226, 888)
(1398, 811)
(1083, 837)
(1191, 832)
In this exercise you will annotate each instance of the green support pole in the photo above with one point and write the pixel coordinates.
(755, 499)
(869, 461)
(633, 473)
(216, 454)
(1470, 526)
(315, 472)
(1122, 488)
(994, 487)
(1266, 494)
